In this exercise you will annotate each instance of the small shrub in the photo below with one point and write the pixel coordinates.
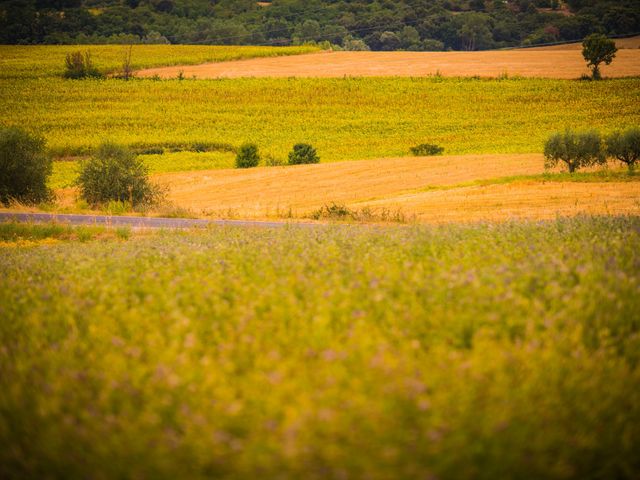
(115, 173)
(248, 156)
(334, 211)
(426, 149)
(124, 233)
(577, 150)
(199, 147)
(117, 207)
(303, 153)
(24, 167)
(79, 65)
(625, 146)
(271, 161)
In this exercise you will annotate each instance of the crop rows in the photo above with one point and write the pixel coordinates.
(342, 118)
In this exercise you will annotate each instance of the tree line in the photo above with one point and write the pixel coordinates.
(352, 25)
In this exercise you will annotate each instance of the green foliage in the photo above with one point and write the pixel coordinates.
(114, 173)
(426, 149)
(25, 234)
(597, 49)
(79, 65)
(303, 153)
(24, 166)
(480, 351)
(577, 150)
(401, 24)
(625, 146)
(248, 156)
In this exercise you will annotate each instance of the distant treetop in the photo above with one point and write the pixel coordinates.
(349, 24)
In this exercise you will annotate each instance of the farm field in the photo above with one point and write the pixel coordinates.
(345, 119)
(35, 61)
(485, 351)
(621, 44)
(465, 315)
(431, 189)
(548, 62)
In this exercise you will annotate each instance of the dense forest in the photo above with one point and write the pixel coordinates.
(348, 24)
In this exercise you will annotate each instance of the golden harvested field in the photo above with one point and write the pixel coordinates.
(534, 200)
(549, 63)
(395, 184)
(621, 43)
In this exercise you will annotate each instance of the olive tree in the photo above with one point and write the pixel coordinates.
(24, 167)
(597, 49)
(114, 173)
(577, 150)
(625, 146)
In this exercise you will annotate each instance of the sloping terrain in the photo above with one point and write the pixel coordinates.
(566, 63)
(433, 189)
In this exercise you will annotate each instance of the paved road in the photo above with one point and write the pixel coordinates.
(141, 222)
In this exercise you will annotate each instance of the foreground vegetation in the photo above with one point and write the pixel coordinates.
(486, 351)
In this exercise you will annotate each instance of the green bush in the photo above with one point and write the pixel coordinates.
(24, 167)
(303, 153)
(79, 65)
(248, 156)
(115, 173)
(577, 150)
(426, 149)
(597, 49)
(625, 146)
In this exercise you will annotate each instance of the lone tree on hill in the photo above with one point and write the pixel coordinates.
(597, 49)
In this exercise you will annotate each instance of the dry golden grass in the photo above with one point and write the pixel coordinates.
(552, 62)
(621, 43)
(302, 188)
(516, 201)
(392, 183)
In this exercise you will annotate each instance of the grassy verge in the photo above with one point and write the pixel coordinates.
(484, 351)
(21, 234)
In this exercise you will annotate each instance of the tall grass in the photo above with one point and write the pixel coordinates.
(481, 351)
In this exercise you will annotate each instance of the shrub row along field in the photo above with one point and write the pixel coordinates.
(49, 61)
(486, 351)
(342, 118)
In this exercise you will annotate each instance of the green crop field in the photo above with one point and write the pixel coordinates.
(36, 61)
(484, 351)
(346, 119)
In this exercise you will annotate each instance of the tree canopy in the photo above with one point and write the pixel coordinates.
(358, 24)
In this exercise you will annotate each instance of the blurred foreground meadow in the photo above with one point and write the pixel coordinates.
(471, 351)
